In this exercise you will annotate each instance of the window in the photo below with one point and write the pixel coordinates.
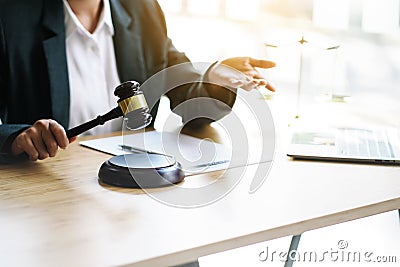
(204, 7)
(242, 10)
(380, 16)
(331, 14)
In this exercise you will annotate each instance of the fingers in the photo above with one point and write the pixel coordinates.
(258, 80)
(41, 149)
(50, 143)
(264, 83)
(252, 73)
(261, 63)
(241, 72)
(59, 133)
(23, 143)
(227, 76)
(235, 83)
(270, 87)
(258, 83)
(40, 141)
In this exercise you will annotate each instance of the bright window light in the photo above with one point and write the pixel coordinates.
(331, 14)
(380, 16)
(204, 7)
(172, 6)
(243, 10)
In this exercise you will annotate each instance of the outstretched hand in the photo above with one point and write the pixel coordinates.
(241, 72)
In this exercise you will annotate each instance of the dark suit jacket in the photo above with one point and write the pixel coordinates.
(33, 68)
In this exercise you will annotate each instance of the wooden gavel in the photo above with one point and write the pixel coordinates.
(131, 104)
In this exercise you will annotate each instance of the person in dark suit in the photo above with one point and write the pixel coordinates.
(40, 74)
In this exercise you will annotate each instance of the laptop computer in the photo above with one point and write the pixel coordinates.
(376, 146)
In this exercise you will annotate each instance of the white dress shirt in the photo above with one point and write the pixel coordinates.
(92, 70)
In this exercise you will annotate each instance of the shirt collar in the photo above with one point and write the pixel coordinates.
(72, 22)
(106, 16)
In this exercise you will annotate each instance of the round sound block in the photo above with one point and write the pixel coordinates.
(141, 171)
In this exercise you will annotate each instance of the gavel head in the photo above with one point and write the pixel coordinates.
(133, 105)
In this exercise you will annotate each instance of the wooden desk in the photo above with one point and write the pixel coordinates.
(55, 213)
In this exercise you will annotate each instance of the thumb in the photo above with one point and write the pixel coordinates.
(15, 148)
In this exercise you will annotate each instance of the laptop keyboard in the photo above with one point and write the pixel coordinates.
(364, 143)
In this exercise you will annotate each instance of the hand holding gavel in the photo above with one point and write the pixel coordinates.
(44, 137)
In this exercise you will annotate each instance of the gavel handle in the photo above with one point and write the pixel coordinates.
(100, 120)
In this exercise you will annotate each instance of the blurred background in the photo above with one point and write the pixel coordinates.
(352, 48)
(347, 71)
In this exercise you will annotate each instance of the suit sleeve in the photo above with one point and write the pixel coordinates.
(197, 102)
(8, 132)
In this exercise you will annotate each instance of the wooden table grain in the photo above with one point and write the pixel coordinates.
(56, 213)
